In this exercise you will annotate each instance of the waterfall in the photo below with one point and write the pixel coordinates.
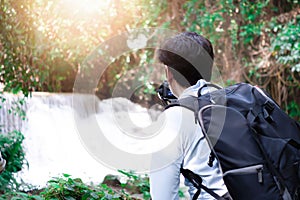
(52, 143)
(9, 120)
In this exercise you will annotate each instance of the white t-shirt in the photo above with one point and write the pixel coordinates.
(189, 150)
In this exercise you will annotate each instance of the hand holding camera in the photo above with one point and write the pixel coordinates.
(165, 94)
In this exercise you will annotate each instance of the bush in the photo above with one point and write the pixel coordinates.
(137, 183)
(13, 152)
(68, 188)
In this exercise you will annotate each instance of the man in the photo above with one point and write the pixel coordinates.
(188, 59)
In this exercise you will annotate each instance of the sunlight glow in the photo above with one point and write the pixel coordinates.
(85, 7)
(80, 24)
(64, 20)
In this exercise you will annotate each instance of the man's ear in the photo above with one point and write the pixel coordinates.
(169, 75)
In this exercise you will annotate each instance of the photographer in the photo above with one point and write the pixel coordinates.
(188, 59)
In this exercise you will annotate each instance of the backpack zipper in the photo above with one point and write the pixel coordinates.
(248, 170)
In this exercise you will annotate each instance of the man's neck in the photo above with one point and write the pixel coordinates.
(178, 89)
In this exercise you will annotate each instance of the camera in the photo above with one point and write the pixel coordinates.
(165, 94)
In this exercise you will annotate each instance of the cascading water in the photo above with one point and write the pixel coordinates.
(52, 143)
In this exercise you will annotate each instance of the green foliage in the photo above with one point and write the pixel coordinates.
(15, 107)
(141, 182)
(181, 194)
(286, 45)
(230, 82)
(294, 110)
(43, 43)
(11, 195)
(204, 20)
(253, 14)
(247, 36)
(151, 13)
(246, 19)
(17, 47)
(13, 152)
(68, 188)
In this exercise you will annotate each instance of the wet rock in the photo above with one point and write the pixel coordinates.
(112, 180)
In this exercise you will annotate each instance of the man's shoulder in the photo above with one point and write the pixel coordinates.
(180, 117)
(187, 103)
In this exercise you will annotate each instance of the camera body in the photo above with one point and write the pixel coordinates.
(165, 94)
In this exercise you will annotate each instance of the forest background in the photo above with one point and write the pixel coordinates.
(44, 43)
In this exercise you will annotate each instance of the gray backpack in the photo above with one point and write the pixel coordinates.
(256, 143)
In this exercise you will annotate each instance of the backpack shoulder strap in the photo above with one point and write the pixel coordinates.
(208, 85)
(196, 180)
(189, 102)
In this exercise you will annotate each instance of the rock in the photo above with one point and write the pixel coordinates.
(112, 180)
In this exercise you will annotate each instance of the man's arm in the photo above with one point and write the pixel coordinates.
(164, 183)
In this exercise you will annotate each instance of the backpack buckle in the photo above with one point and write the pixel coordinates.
(268, 107)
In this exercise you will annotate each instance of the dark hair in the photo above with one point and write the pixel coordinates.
(189, 56)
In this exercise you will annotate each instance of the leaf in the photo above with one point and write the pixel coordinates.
(94, 195)
(69, 198)
(67, 175)
(296, 68)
